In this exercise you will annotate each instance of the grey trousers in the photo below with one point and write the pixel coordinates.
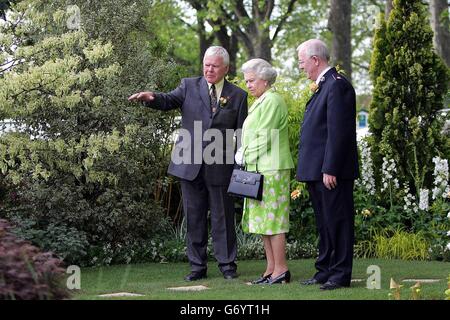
(200, 195)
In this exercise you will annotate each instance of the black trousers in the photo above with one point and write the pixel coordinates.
(335, 215)
(200, 195)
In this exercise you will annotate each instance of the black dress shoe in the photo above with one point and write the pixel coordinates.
(310, 282)
(261, 280)
(330, 285)
(195, 275)
(230, 274)
(285, 277)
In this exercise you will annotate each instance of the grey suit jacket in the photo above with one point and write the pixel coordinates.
(192, 97)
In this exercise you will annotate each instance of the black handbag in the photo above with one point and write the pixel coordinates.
(245, 184)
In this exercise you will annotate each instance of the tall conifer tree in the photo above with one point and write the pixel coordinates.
(410, 81)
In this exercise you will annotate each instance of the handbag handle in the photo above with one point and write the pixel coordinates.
(256, 164)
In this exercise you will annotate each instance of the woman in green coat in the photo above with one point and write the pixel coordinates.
(265, 149)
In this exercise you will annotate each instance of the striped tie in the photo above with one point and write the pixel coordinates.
(213, 97)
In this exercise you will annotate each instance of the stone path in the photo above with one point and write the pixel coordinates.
(120, 294)
(189, 288)
(422, 280)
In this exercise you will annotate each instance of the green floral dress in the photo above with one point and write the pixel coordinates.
(269, 216)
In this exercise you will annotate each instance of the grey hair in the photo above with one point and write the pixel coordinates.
(218, 51)
(315, 47)
(261, 68)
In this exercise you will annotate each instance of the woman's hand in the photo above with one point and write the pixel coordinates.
(239, 157)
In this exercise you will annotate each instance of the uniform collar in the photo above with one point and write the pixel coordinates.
(319, 78)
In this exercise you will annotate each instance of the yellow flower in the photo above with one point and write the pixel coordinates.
(366, 213)
(295, 194)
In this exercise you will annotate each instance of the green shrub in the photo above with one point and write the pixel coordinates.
(410, 83)
(301, 249)
(67, 243)
(250, 247)
(398, 244)
(87, 161)
(26, 273)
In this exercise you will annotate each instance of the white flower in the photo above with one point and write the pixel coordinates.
(447, 248)
(366, 180)
(423, 202)
(440, 177)
(389, 171)
(410, 200)
(448, 233)
(448, 215)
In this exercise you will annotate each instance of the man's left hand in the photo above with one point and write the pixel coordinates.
(329, 181)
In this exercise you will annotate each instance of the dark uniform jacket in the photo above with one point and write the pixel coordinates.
(328, 133)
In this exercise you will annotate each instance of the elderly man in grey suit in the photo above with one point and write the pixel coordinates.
(211, 107)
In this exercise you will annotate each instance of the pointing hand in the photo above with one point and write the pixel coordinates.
(142, 96)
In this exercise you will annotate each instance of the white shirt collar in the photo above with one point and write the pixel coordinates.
(322, 74)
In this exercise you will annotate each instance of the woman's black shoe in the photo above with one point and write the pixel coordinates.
(262, 279)
(285, 277)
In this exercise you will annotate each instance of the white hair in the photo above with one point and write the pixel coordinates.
(261, 68)
(218, 51)
(315, 47)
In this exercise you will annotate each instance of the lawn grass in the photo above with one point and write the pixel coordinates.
(153, 279)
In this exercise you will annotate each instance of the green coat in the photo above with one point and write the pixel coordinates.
(265, 138)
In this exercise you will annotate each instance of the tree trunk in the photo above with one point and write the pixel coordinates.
(230, 43)
(204, 41)
(440, 25)
(388, 8)
(263, 46)
(339, 23)
(251, 32)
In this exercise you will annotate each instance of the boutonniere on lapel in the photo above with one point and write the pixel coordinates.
(314, 87)
(223, 101)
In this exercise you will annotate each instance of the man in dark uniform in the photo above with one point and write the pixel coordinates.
(328, 163)
(210, 108)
